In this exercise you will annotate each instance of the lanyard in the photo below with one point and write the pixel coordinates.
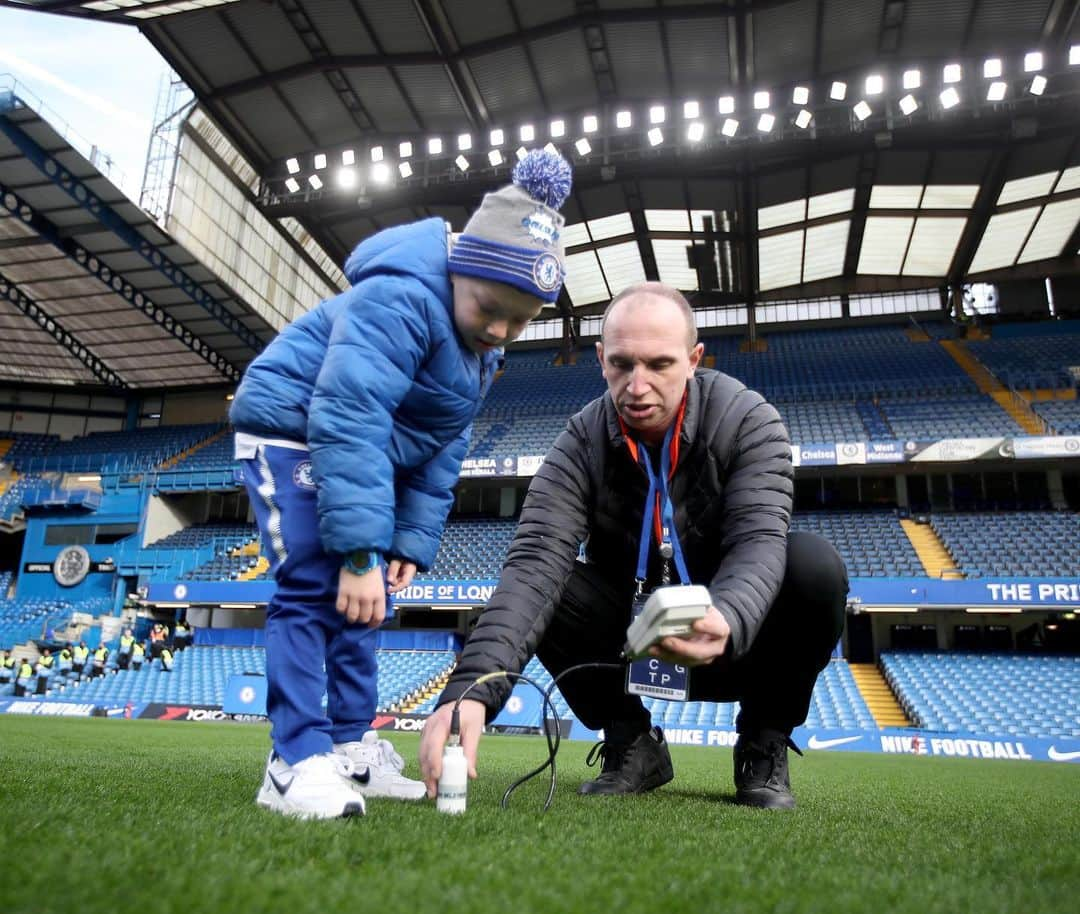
(659, 512)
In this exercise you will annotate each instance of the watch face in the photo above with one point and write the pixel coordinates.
(71, 566)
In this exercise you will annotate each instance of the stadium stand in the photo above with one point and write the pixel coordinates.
(1039, 543)
(200, 675)
(1032, 356)
(836, 702)
(107, 452)
(471, 550)
(1007, 694)
(1063, 416)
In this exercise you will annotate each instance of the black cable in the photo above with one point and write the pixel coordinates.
(553, 744)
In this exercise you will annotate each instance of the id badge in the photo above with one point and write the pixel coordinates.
(653, 678)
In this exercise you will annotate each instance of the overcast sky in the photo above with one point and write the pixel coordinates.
(99, 78)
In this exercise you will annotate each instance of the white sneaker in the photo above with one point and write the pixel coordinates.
(316, 788)
(377, 769)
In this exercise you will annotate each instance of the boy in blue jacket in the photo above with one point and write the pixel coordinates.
(351, 427)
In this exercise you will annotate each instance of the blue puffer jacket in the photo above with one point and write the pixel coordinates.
(379, 384)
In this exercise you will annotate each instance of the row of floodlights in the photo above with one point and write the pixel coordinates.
(949, 97)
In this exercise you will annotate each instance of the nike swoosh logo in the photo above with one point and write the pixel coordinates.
(816, 743)
(1056, 756)
(278, 785)
(362, 778)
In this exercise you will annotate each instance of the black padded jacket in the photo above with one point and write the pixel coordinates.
(731, 491)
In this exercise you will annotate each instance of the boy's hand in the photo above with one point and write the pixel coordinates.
(362, 597)
(399, 575)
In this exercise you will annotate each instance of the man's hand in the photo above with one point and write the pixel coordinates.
(399, 575)
(709, 641)
(436, 732)
(362, 597)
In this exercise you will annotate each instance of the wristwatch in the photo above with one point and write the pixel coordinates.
(361, 561)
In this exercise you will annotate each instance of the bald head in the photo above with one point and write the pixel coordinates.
(652, 295)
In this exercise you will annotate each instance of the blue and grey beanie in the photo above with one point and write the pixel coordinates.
(515, 237)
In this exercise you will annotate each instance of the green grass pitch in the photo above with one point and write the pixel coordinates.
(144, 816)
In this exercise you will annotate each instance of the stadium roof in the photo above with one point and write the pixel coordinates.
(91, 290)
(842, 204)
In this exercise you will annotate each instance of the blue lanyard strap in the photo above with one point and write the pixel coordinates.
(658, 489)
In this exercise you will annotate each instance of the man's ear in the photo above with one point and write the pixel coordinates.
(695, 357)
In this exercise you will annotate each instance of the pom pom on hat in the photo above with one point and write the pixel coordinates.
(544, 176)
(515, 236)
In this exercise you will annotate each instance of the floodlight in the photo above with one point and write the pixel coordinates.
(623, 119)
(765, 122)
(695, 132)
(527, 133)
(292, 186)
(726, 104)
(348, 157)
(838, 91)
(875, 84)
(908, 104)
(912, 79)
(376, 153)
(803, 118)
(583, 147)
(950, 98)
(691, 111)
(657, 114)
(800, 95)
(464, 142)
(315, 181)
(521, 152)
(1038, 85)
(1074, 55)
(404, 169)
(992, 68)
(320, 161)
(495, 158)
(346, 177)
(405, 149)
(761, 101)
(497, 137)
(656, 136)
(862, 111)
(952, 73)
(462, 163)
(380, 173)
(434, 146)
(590, 124)
(292, 165)
(1033, 61)
(730, 126)
(558, 128)
(996, 92)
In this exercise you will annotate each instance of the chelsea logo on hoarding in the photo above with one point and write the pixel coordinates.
(302, 475)
(546, 271)
(541, 226)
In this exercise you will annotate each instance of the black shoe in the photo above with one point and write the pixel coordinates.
(630, 765)
(761, 770)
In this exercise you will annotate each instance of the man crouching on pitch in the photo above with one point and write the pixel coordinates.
(677, 473)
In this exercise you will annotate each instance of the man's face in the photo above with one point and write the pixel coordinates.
(491, 314)
(646, 362)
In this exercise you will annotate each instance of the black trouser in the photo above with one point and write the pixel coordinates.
(122, 660)
(773, 681)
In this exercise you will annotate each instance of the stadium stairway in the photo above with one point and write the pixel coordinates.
(1018, 408)
(260, 567)
(931, 551)
(432, 687)
(176, 458)
(878, 696)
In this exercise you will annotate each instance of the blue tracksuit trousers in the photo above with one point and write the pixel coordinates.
(310, 648)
